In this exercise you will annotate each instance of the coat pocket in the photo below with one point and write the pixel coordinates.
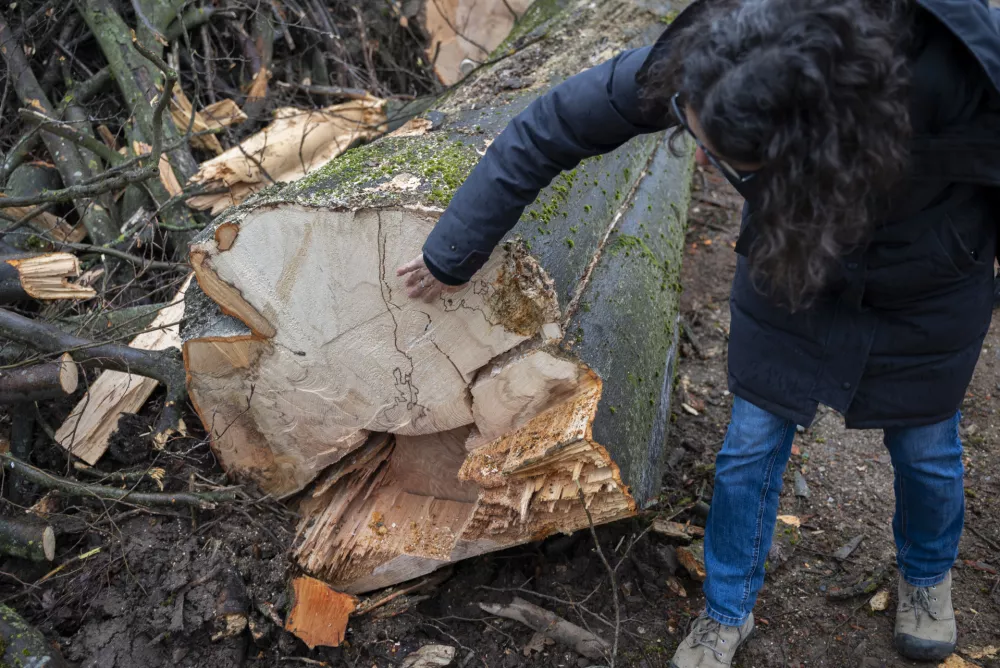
(967, 240)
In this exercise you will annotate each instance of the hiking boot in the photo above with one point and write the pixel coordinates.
(925, 621)
(711, 644)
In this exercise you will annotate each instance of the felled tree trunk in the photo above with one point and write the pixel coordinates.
(435, 432)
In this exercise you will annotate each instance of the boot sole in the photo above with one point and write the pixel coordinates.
(919, 649)
(750, 635)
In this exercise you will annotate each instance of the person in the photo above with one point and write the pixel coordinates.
(862, 135)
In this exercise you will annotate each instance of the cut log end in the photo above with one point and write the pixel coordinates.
(47, 277)
(49, 380)
(49, 543)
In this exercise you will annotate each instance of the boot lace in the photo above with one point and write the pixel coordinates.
(706, 632)
(920, 599)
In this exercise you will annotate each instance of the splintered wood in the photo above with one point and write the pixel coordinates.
(319, 614)
(429, 502)
(294, 144)
(86, 431)
(46, 277)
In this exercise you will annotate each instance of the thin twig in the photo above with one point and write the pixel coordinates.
(611, 575)
(205, 500)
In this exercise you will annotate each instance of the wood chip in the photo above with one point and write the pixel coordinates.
(683, 532)
(319, 613)
(430, 656)
(692, 558)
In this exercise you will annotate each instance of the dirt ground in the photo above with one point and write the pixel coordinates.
(148, 597)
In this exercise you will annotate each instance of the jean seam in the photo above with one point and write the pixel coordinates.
(725, 620)
(759, 537)
(907, 543)
(925, 582)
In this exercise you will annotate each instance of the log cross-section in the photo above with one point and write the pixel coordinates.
(423, 433)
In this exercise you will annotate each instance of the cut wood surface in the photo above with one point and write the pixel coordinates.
(296, 143)
(319, 614)
(464, 32)
(435, 432)
(44, 277)
(86, 431)
(47, 380)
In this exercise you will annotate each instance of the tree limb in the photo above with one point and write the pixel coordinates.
(95, 217)
(203, 500)
(163, 366)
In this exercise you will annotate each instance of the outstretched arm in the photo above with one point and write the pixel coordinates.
(590, 113)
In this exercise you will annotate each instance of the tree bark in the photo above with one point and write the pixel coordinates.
(39, 382)
(548, 376)
(138, 82)
(27, 540)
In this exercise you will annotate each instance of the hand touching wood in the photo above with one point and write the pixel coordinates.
(421, 284)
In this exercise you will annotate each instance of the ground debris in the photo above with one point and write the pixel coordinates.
(430, 656)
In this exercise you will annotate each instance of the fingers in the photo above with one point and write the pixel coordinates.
(412, 265)
(432, 292)
(417, 276)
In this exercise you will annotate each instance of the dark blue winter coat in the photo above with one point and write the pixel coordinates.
(894, 339)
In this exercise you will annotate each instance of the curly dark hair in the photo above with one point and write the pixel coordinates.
(817, 91)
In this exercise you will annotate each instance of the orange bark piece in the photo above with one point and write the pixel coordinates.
(319, 613)
(692, 558)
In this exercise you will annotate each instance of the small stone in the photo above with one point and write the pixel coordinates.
(880, 601)
(801, 486)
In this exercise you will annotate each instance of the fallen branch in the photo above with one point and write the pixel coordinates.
(329, 91)
(27, 540)
(580, 640)
(87, 431)
(163, 366)
(38, 382)
(203, 500)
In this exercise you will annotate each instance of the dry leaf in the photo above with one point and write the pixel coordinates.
(791, 520)
(988, 652)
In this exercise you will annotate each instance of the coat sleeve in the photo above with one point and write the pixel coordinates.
(590, 113)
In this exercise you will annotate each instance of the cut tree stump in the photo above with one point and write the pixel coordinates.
(435, 432)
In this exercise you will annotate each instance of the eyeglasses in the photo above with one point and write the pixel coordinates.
(733, 175)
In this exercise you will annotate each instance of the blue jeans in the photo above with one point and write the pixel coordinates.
(930, 505)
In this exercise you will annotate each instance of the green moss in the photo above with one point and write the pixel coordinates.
(440, 163)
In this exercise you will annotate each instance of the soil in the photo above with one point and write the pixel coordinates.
(148, 597)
